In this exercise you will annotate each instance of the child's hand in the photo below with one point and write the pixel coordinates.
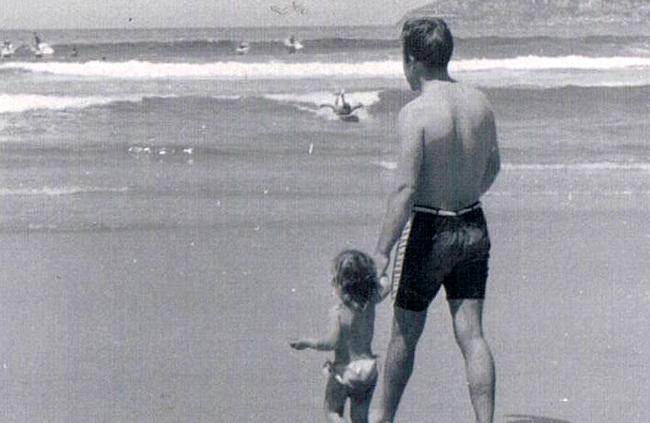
(298, 344)
(384, 286)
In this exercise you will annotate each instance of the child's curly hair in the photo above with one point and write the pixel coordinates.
(356, 275)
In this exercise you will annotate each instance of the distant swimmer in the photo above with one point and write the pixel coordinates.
(74, 52)
(37, 41)
(40, 48)
(292, 44)
(243, 48)
(7, 49)
(341, 107)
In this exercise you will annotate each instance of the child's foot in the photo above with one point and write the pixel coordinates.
(375, 417)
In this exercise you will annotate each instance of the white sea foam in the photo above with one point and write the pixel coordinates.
(598, 166)
(599, 193)
(219, 70)
(17, 103)
(560, 62)
(135, 69)
(58, 191)
(226, 97)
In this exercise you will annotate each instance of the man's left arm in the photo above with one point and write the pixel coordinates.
(494, 159)
(400, 201)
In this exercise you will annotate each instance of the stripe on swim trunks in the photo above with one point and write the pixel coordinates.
(399, 257)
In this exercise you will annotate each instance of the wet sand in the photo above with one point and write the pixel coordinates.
(167, 325)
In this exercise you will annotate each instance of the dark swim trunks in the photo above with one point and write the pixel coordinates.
(437, 248)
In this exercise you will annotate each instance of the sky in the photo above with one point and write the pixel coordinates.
(67, 14)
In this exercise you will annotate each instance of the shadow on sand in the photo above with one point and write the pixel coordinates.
(524, 418)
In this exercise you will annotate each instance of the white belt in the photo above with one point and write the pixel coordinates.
(440, 212)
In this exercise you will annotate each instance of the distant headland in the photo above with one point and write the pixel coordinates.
(539, 11)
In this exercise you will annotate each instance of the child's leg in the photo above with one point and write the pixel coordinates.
(360, 404)
(335, 396)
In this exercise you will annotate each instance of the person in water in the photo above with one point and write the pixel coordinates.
(37, 41)
(449, 159)
(353, 373)
(341, 107)
(291, 44)
(7, 49)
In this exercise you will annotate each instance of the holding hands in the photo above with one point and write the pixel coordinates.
(382, 261)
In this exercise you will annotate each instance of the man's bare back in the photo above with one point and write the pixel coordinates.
(459, 144)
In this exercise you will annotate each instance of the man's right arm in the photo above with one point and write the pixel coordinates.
(400, 200)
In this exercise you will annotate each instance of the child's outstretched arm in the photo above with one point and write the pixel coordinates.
(327, 343)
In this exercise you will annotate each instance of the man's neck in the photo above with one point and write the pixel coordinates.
(434, 77)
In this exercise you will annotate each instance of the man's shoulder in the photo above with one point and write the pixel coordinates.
(418, 107)
(473, 95)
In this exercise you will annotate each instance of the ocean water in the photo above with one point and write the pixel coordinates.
(170, 128)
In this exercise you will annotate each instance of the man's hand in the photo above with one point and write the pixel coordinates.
(381, 261)
(385, 287)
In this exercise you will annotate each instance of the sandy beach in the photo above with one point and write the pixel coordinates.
(169, 325)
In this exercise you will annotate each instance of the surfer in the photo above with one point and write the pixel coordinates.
(40, 48)
(243, 48)
(7, 49)
(341, 107)
(292, 44)
(37, 42)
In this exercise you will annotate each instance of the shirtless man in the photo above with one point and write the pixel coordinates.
(449, 158)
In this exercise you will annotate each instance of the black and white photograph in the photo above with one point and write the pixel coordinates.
(376, 211)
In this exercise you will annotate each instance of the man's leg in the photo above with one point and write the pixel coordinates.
(479, 365)
(407, 328)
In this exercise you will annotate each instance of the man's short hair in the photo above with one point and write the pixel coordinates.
(428, 40)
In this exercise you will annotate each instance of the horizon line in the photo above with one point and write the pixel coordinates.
(195, 27)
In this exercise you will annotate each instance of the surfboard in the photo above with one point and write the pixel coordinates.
(43, 49)
(6, 52)
(293, 46)
(349, 118)
(242, 48)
